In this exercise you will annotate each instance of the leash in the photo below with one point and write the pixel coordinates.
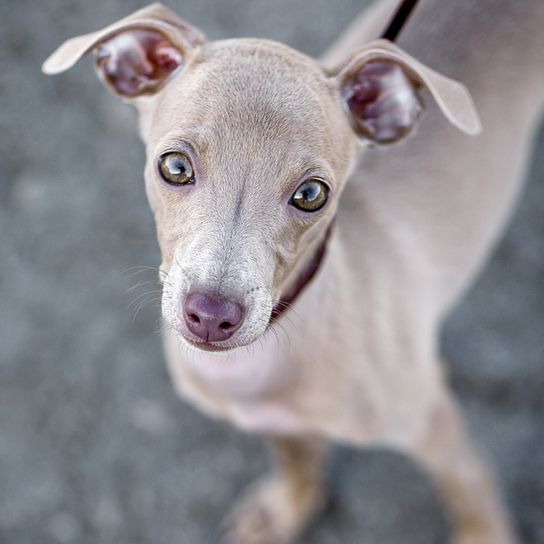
(399, 19)
(393, 29)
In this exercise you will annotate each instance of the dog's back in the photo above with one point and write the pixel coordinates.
(443, 229)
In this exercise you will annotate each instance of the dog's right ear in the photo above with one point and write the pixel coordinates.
(136, 55)
(380, 89)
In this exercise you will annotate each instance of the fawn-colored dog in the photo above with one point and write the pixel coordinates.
(306, 268)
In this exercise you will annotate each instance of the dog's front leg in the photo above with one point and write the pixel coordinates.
(463, 480)
(277, 508)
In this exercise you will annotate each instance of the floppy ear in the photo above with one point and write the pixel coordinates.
(136, 55)
(380, 87)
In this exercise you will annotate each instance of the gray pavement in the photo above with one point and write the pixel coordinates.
(94, 445)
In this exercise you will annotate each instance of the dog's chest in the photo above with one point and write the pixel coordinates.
(246, 386)
(246, 373)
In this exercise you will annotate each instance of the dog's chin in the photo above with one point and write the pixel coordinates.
(208, 347)
(214, 348)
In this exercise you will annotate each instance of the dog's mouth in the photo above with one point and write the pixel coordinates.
(211, 347)
(285, 301)
(227, 346)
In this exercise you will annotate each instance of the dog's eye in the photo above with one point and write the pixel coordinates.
(310, 196)
(176, 168)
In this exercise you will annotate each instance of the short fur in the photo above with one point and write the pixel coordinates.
(355, 358)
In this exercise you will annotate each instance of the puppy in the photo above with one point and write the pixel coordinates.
(307, 260)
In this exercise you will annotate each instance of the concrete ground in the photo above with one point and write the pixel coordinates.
(95, 448)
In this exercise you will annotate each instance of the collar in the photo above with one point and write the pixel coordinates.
(394, 27)
(303, 279)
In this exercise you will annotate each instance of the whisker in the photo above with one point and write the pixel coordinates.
(135, 271)
(144, 303)
(138, 285)
(143, 295)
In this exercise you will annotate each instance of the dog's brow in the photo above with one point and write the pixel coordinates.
(195, 137)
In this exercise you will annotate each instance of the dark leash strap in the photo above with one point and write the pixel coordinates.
(396, 24)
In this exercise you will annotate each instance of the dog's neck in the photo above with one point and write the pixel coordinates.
(303, 279)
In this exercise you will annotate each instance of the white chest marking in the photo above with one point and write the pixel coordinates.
(247, 373)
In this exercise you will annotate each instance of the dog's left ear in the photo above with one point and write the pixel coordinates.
(136, 55)
(380, 86)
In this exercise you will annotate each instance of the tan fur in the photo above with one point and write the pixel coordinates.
(355, 358)
(278, 507)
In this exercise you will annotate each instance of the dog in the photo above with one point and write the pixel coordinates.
(316, 225)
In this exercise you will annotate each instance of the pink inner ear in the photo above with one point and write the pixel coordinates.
(136, 62)
(383, 101)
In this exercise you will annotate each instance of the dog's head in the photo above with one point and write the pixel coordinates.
(249, 144)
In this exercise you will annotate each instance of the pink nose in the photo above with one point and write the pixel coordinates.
(212, 319)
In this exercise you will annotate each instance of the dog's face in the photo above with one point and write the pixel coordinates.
(264, 146)
(249, 144)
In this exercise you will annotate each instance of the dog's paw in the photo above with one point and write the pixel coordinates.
(484, 530)
(270, 513)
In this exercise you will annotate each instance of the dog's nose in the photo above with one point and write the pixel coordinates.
(212, 319)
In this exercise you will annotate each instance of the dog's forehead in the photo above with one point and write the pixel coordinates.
(253, 95)
(259, 57)
(250, 82)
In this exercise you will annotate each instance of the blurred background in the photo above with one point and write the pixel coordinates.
(94, 445)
